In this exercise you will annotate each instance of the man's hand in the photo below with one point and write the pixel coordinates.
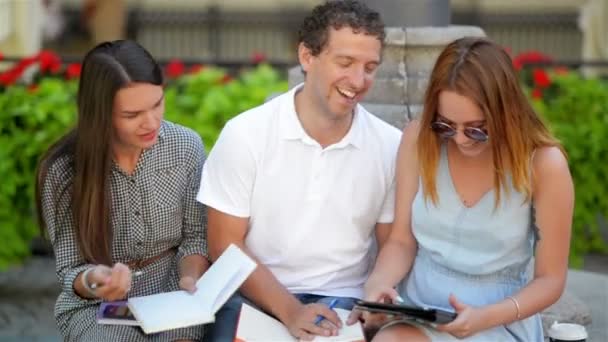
(301, 322)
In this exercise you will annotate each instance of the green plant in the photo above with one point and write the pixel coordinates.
(30, 120)
(32, 117)
(205, 101)
(577, 112)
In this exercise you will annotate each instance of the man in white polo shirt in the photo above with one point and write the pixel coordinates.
(305, 182)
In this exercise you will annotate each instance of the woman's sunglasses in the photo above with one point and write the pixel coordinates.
(446, 131)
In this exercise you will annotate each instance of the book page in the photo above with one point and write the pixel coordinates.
(256, 326)
(348, 333)
(169, 310)
(178, 309)
(223, 278)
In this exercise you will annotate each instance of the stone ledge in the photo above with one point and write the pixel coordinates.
(35, 276)
(430, 35)
(28, 294)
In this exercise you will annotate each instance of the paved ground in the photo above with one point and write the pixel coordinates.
(27, 296)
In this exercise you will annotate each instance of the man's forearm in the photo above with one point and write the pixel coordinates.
(269, 294)
(263, 289)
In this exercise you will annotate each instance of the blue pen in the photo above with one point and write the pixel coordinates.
(332, 304)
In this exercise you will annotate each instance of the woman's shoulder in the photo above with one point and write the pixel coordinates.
(549, 162)
(549, 157)
(61, 167)
(186, 138)
(411, 130)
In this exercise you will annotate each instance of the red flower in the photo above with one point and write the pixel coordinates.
(32, 88)
(196, 68)
(49, 61)
(537, 94)
(258, 57)
(73, 71)
(174, 68)
(9, 77)
(530, 57)
(226, 79)
(541, 78)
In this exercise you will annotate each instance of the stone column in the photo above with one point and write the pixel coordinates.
(397, 13)
(409, 56)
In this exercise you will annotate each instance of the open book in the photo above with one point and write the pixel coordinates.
(256, 326)
(179, 309)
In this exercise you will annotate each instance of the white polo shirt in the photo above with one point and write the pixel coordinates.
(312, 210)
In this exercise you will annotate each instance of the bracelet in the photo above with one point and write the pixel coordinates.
(516, 306)
(85, 283)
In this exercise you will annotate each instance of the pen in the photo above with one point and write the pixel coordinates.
(133, 275)
(332, 304)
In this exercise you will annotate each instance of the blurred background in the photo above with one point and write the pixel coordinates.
(222, 57)
(231, 31)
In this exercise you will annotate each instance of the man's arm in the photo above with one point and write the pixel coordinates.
(262, 287)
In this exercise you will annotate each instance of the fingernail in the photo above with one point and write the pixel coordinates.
(399, 299)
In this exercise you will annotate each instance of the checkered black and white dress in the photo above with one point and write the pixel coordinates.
(153, 210)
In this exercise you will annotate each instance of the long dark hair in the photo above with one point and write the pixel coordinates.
(106, 69)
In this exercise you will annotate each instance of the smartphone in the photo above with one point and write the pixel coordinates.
(115, 313)
(430, 315)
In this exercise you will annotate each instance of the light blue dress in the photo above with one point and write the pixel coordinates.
(480, 254)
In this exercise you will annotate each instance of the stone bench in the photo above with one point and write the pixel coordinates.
(28, 293)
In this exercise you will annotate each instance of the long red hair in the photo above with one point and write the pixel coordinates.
(483, 72)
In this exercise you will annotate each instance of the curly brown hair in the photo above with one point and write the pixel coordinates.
(336, 14)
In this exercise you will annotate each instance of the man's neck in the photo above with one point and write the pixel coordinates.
(320, 125)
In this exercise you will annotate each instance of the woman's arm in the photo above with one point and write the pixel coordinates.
(57, 215)
(400, 244)
(553, 198)
(192, 252)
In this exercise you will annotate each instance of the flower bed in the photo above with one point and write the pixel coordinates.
(576, 109)
(35, 113)
(37, 106)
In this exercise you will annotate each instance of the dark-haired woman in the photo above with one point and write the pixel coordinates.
(116, 195)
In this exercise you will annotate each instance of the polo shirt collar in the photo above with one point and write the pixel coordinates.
(292, 129)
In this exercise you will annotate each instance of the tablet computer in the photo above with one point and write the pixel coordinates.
(430, 315)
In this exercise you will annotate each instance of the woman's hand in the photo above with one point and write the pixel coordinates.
(191, 268)
(110, 283)
(188, 284)
(470, 320)
(382, 294)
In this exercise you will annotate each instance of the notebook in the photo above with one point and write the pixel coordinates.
(115, 313)
(179, 309)
(256, 326)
